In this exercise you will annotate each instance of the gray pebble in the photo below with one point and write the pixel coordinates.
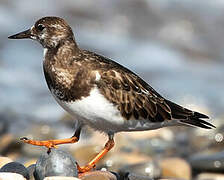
(146, 169)
(132, 176)
(56, 163)
(207, 162)
(16, 167)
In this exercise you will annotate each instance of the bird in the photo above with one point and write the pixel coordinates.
(100, 92)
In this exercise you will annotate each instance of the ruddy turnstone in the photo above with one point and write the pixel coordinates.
(98, 91)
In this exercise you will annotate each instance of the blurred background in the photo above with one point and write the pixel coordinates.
(175, 46)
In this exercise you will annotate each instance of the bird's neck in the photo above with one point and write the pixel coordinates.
(58, 64)
(63, 53)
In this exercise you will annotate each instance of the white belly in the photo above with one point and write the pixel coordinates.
(97, 112)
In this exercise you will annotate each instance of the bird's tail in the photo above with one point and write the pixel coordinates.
(188, 117)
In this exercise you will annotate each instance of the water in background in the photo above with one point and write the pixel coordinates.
(176, 46)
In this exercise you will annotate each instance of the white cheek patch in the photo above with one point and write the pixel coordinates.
(31, 30)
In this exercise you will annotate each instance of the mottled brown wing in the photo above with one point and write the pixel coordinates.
(134, 98)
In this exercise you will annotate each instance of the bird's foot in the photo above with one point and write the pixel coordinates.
(86, 168)
(50, 143)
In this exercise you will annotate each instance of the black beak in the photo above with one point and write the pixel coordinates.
(21, 35)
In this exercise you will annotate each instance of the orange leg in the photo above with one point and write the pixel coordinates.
(108, 146)
(53, 143)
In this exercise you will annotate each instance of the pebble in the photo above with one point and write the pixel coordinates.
(145, 143)
(98, 175)
(11, 176)
(132, 176)
(171, 179)
(15, 167)
(207, 162)
(4, 160)
(150, 169)
(56, 163)
(175, 168)
(60, 178)
(210, 176)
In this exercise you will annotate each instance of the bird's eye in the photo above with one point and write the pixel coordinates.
(40, 27)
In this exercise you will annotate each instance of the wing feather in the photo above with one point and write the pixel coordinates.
(132, 98)
(136, 99)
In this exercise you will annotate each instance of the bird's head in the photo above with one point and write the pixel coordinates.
(49, 31)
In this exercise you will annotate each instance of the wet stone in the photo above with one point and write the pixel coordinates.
(132, 176)
(15, 167)
(207, 163)
(56, 163)
(148, 169)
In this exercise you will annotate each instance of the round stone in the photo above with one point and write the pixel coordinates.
(15, 167)
(55, 163)
(61, 178)
(10, 176)
(132, 176)
(207, 162)
(149, 169)
(99, 175)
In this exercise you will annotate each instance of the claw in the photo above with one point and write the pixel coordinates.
(23, 138)
(84, 169)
